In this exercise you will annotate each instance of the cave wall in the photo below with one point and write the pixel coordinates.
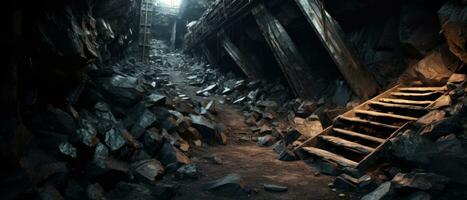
(49, 46)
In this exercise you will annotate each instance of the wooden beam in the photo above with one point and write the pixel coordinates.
(242, 61)
(360, 80)
(328, 156)
(286, 53)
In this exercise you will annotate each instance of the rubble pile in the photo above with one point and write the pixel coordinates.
(428, 159)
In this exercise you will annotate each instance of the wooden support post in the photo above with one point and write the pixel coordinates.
(286, 53)
(243, 61)
(360, 80)
(173, 37)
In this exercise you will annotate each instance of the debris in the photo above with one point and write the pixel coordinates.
(275, 188)
(68, 149)
(189, 171)
(148, 170)
(229, 185)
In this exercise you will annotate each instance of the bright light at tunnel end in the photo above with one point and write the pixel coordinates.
(169, 3)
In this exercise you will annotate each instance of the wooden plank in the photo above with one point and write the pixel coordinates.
(418, 95)
(385, 115)
(358, 135)
(356, 120)
(397, 106)
(360, 80)
(404, 101)
(353, 146)
(286, 53)
(242, 61)
(422, 89)
(328, 156)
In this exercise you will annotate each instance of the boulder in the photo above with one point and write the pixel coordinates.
(429, 182)
(205, 127)
(434, 69)
(453, 18)
(171, 157)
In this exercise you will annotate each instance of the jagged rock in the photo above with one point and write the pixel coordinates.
(114, 139)
(309, 127)
(148, 170)
(384, 191)
(229, 185)
(431, 117)
(292, 136)
(155, 100)
(420, 180)
(189, 171)
(146, 119)
(411, 147)
(205, 127)
(101, 153)
(171, 157)
(441, 128)
(457, 78)
(68, 149)
(453, 20)
(275, 188)
(434, 68)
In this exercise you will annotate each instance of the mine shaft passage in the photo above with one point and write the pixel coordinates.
(233, 99)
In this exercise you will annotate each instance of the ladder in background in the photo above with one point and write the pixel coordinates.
(146, 14)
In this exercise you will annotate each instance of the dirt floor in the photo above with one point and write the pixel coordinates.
(256, 165)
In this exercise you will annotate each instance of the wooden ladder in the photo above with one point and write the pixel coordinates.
(358, 136)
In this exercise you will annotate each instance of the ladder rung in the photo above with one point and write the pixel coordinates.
(398, 106)
(353, 146)
(367, 122)
(358, 135)
(421, 89)
(385, 115)
(326, 155)
(404, 101)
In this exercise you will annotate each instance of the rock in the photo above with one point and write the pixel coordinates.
(87, 134)
(208, 89)
(229, 185)
(449, 146)
(384, 191)
(266, 140)
(103, 112)
(275, 188)
(171, 157)
(239, 100)
(434, 68)
(411, 147)
(327, 167)
(309, 127)
(457, 78)
(211, 107)
(49, 192)
(189, 171)
(148, 170)
(420, 180)
(431, 117)
(418, 28)
(441, 128)
(68, 150)
(114, 139)
(95, 192)
(342, 94)
(442, 102)
(452, 17)
(152, 141)
(205, 127)
(101, 153)
(155, 100)
(55, 120)
(145, 120)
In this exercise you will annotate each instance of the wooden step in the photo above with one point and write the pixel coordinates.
(367, 122)
(421, 89)
(413, 95)
(397, 106)
(328, 156)
(358, 135)
(404, 101)
(353, 146)
(385, 115)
